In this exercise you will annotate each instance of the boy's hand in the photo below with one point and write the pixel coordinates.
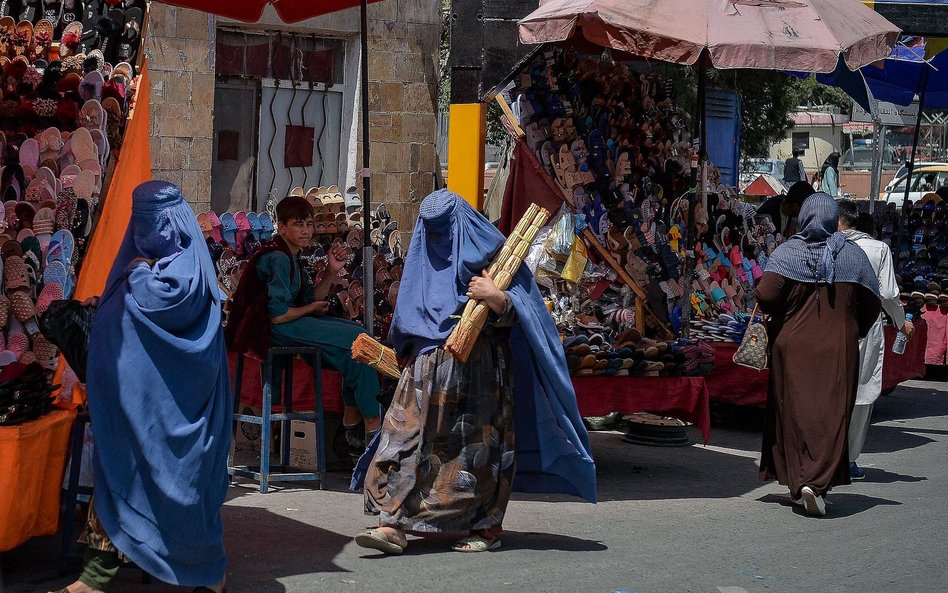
(336, 258)
(319, 307)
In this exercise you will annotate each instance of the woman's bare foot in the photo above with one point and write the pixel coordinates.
(395, 535)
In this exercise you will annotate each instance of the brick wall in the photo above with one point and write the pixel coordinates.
(403, 54)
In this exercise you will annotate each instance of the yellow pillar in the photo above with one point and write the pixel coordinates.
(467, 136)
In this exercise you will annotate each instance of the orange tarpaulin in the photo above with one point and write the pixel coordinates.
(32, 460)
(132, 169)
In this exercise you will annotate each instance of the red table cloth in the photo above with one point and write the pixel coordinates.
(251, 391)
(742, 386)
(685, 398)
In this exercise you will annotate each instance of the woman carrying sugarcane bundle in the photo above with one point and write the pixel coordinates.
(455, 432)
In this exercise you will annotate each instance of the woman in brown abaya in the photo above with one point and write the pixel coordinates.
(822, 296)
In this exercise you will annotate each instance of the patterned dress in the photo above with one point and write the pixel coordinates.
(445, 461)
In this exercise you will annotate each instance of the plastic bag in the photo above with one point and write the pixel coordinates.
(559, 243)
(576, 262)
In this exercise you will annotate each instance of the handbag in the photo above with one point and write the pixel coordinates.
(752, 352)
(67, 325)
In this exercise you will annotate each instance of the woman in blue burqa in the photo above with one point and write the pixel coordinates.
(458, 438)
(160, 404)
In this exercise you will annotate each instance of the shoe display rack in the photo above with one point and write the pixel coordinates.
(68, 79)
(921, 245)
(611, 136)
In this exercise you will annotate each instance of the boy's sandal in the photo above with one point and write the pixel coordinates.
(475, 543)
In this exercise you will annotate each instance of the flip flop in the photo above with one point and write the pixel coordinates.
(376, 539)
(243, 229)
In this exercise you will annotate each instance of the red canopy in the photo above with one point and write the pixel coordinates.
(291, 11)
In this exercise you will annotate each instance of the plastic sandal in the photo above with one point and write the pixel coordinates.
(229, 229)
(266, 223)
(215, 226)
(255, 226)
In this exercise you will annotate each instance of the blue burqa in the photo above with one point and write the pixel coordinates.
(159, 395)
(451, 244)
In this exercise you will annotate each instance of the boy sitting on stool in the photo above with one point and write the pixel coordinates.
(276, 303)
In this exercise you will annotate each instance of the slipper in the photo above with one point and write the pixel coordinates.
(23, 38)
(243, 229)
(216, 226)
(30, 153)
(266, 224)
(256, 228)
(352, 200)
(42, 40)
(204, 224)
(376, 539)
(475, 543)
(229, 229)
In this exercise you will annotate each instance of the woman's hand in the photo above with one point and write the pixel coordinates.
(149, 262)
(92, 301)
(482, 288)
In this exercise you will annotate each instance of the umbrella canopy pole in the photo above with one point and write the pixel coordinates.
(700, 177)
(923, 84)
(368, 257)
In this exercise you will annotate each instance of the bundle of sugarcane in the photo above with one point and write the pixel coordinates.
(501, 271)
(379, 357)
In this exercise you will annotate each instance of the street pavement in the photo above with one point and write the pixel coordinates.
(670, 520)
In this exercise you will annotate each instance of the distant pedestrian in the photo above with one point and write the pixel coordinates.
(872, 347)
(822, 297)
(793, 169)
(829, 175)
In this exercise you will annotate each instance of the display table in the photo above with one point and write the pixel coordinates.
(734, 384)
(685, 398)
(32, 461)
(251, 392)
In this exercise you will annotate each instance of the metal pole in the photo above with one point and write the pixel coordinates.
(699, 177)
(923, 84)
(876, 166)
(368, 255)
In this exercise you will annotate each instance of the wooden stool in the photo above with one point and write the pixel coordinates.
(277, 371)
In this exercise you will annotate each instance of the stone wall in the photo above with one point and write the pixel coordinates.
(403, 73)
(180, 50)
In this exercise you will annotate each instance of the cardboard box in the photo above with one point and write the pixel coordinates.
(303, 444)
(248, 435)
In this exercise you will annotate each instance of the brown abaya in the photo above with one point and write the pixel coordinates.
(814, 347)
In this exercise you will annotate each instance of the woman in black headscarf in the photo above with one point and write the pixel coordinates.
(829, 175)
(822, 296)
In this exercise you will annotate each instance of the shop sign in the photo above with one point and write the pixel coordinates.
(889, 114)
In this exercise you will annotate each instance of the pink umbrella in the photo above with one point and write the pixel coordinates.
(802, 35)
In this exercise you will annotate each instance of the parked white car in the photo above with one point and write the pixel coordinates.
(924, 180)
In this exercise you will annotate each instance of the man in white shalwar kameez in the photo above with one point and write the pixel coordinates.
(872, 347)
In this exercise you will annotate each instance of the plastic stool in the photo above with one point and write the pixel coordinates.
(277, 371)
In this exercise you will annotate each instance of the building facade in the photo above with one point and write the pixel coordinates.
(242, 112)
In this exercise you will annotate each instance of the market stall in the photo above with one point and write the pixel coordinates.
(68, 122)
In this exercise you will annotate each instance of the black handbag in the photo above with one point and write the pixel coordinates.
(67, 324)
